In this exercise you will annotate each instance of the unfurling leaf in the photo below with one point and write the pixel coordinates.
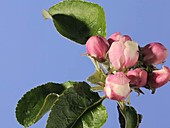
(97, 77)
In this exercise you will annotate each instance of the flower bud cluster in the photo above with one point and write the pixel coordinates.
(128, 66)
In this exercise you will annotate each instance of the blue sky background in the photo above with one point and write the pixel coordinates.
(33, 53)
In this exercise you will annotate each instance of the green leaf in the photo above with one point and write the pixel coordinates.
(139, 119)
(93, 118)
(97, 77)
(78, 107)
(78, 20)
(128, 117)
(48, 103)
(38, 101)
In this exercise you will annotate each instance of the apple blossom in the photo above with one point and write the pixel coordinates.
(117, 86)
(137, 77)
(97, 47)
(123, 54)
(154, 53)
(118, 37)
(159, 78)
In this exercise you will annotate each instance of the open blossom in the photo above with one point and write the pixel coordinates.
(117, 86)
(97, 47)
(123, 54)
(118, 37)
(137, 77)
(154, 53)
(159, 78)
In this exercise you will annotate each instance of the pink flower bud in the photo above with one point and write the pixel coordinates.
(154, 53)
(159, 77)
(123, 55)
(118, 37)
(137, 77)
(97, 47)
(117, 86)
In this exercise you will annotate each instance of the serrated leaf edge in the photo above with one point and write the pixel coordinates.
(16, 109)
(28, 92)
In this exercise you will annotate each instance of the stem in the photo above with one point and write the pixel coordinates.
(97, 65)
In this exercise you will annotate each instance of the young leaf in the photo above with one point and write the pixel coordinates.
(38, 101)
(97, 77)
(78, 20)
(128, 117)
(77, 107)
